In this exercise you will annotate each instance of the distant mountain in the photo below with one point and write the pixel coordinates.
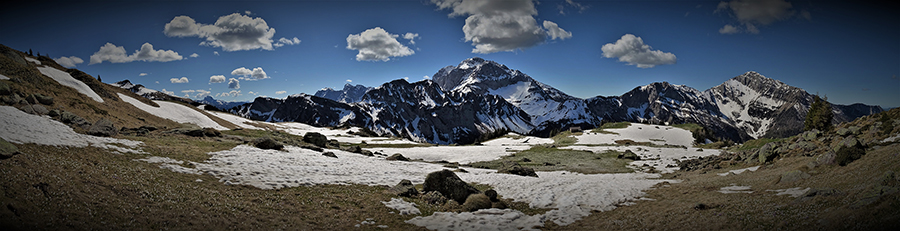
(220, 104)
(462, 103)
(150, 93)
(350, 93)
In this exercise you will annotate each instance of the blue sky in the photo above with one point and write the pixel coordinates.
(849, 51)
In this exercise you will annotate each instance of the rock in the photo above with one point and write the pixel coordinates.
(103, 127)
(359, 150)
(53, 113)
(810, 135)
(434, 198)
(824, 159)
(13, 99)
(397, 156)
(404, 189)
(854, 130)
(333, 144)
(843, 131)
(701, 206)
(515, 168)
(499, 205)
(491, 194)
(803, 145)
(316, 139)
(35, 109)
(850, 141)
(628, 154)
(477, 202)
(267, 143)
(448, 184)
(312, 147)
(70, 118)
(39, 98)
(7, 149)
(451, 205)
(329, 154)
(211, 132)
(793, 176)
(5, 89)
(767, 152)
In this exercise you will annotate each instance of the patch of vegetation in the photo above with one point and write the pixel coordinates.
(382, 145)
(492, 135)
(564, 138)
(757, 143)
(716, 145)
(182, 147)
(700, 133)
(542, 158)
(845, 155)
(819, 115)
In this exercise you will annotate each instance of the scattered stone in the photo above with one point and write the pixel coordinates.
(5, 89)
(515, 168)
(53, 113)
(7, 149)
(404, 189)
(451, 205)
(477, 202)
(72, 119)
(211, 132)
(843, 131)
(39, 98)
(397, 156)
(13, 99)
(767, 152)
(793, 176)
(267, 143)
(448, 183)
(434, 198)
(491, 194)
(526, 160)
(628, 154)
(701, 206)
(35, 109)
(358, 150)
(316, 139)
(103, 127)
(811, 135)
(312, 147)
(329, 154)
(333, 144)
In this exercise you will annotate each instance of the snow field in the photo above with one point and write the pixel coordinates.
(488, 151)
(20, 127)
(175, 112)
(640, 133)
(67, 80)
(659, 158)
(405, 208)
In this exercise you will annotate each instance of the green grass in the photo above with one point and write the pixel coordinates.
(616, 125)
(564, 138)
(689, 126)
(757, 143)
(562, 159)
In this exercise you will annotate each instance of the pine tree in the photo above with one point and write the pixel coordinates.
(819, 115)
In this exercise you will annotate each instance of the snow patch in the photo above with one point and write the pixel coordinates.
(20, 127)
(735, 189)
(739, 171)
(35, 61)
(485, 219)
(175, 112)
(405, 208)
(3, 77)
(65, 79)
(793, 192)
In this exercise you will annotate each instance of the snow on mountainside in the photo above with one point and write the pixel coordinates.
(220, 104)
(350, 93)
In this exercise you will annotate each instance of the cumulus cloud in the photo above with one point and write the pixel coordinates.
(280, 92)
(729, 29)
(500, 25)
(179, 80)
(411, 37)
(69, 62)
(250, 75)
(232, 93)
(284, 41)
(217, 79)
(116, 54)
(194, 55)
(376, 44)
(632, 50)
(569, 3)
(754, 13)
(233, 32)
(234, 83)
(200, 93)
(143, 74)
(556, 32)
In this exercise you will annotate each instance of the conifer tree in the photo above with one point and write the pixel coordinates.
(819, 115)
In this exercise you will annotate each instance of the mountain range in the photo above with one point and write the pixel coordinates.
(463, 103)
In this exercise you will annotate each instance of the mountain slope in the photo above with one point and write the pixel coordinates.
(350, 93)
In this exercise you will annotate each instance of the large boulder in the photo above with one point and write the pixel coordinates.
(35, 109)
(767, 152)
(811, 135)
(316, 139)
(628, 154)
(397, 156)
(103, 127)
(515, 168)
(448, 184)
(404, 189)
(72, 119)
(267, 143)
(476, 202)
(39, 98)
(7, 149)
(5, 89)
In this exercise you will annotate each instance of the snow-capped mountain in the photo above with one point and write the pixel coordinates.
(547, 107)
(350, 93)
(220, 104)
(477, 97)
(140, 90)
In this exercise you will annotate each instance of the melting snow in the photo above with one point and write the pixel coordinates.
(67, 80)
(739, 171)
(640, 133)
(793, 192)
(175, 112)
(405, 208)
(735, 189)
(19, 127)
(35, 61)
(490, 150)
(3, 77)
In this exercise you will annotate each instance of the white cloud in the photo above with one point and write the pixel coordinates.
(569, 3)
(406, 78)
(754, 13)
(194, 55)
(167, 92)
(69, 62)
(426, 77)
(217, 79)
(179, 80)
(143, 74)
(280, 92)
(411, 37)
(376, 44)
(500, 25)
(556, 32)
(632, 50)
(728, 29)
(284, 41)
(250, 75)
(349, 80)
(234, 83)
(216, 53)
(232, 32)
(116, 54)
(232, 93)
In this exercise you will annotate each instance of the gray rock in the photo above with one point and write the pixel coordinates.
(515, 168)
(628, 154)
(811, 135)
(329, 154)
(357, 149)
(767, 152)
(7, 149)
(34, 109)
(397, 156)
(447, 183)
(13, 99)
(824, 159)
(793, 176)
(404, 189)
(103, 127)
(333, 144)
(53, 113)
(39, 98)
(854, 130)
(476, 202)
(211, 132)
(70, 118)
(434, 198)
(316, 139)
(267, 143)
(491, 194)
(5, 89)
(843, 131)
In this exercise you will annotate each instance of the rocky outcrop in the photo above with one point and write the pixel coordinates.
(103, 127)
(448, 184)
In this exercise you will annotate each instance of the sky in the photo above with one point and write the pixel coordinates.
(848, 51)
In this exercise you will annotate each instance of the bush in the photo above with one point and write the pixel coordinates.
(819, 115)
(845, 155)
